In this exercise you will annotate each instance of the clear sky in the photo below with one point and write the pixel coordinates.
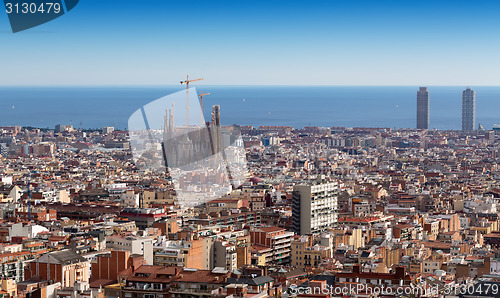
(308, 42)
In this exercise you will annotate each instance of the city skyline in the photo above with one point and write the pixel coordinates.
(316, 201)
(378, 106)
(468, 109)
(244, 149)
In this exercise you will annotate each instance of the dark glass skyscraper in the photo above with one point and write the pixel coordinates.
(468, 109)
(423, 110)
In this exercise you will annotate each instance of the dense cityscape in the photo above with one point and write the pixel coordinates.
(323, 212)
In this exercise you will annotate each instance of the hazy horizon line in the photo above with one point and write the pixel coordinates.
(236, 85)
(258, 125)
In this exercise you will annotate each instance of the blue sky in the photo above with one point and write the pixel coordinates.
(270, 42)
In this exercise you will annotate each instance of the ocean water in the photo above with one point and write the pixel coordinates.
(297, 106)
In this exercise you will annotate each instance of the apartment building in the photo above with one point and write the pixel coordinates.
(136, 245)
(314, 206)
(305, 253)
(182, 253)
(276, 240)
(64, 266)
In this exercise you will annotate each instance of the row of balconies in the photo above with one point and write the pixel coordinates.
(281, 251)
(283, 243)
(192, 291)
(146, 286)
(170, 253)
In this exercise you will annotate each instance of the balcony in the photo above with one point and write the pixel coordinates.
(285, 235)
(145, 287)
(282, 251)
(283, 245)
(286, 240)
(194, 291)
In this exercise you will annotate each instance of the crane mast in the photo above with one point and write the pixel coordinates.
(201, 104)
(187, 81)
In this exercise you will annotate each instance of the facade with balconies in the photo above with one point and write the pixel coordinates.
(314, 206)
(277, 240)
(160, 281)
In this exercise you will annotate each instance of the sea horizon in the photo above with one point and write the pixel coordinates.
(92, 107)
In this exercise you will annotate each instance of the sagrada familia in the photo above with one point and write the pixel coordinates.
(186, 145)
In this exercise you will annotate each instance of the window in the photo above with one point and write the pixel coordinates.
(157, 286)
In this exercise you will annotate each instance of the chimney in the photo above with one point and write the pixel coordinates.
(356, 269)
(400, 272)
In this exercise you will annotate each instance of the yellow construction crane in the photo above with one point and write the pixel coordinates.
(187, 81)
(201, 104)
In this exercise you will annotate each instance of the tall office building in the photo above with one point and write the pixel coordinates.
(423, 110)
(314, 206)
(468, 110)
